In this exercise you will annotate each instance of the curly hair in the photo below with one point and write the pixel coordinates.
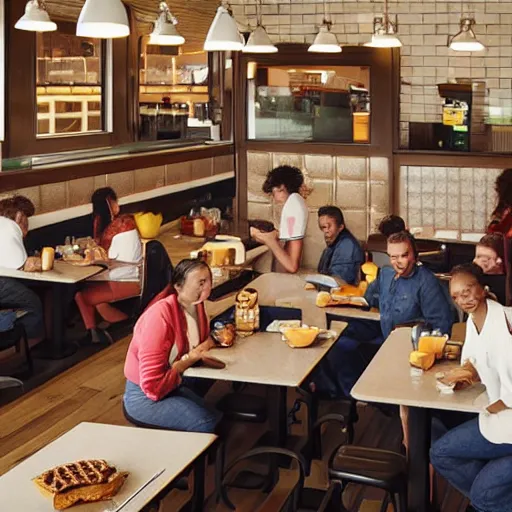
(470, 269)
(291, 177)
(10, 206)
(503, 189)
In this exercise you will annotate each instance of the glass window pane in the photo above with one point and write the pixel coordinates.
(315, 103)
(69, 84)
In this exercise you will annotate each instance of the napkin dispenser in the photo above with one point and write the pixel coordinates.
(416, 333)
(223, 251)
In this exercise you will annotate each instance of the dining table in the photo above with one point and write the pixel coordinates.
(63, 279)
(390, 379)
(154, 460)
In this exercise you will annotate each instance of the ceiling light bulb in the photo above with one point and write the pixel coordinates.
(165, 31)
(384, 41)
(384, 32)
(465, 40)
(223, 34)
(104, 19)
(259, 42)
(325, 41)
(36, 18)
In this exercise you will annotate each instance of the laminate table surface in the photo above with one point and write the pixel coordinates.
(141, 452)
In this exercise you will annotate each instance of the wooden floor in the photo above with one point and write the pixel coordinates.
(92, 391)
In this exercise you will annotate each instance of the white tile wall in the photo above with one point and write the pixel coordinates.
(424, 28)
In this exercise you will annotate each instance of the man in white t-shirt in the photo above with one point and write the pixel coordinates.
(14, 213)
(284, 183)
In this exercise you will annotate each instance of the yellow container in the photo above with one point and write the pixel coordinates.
(148, 224)
(300, 337)
(47, 258)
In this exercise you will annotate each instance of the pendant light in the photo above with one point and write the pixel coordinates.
(325, 41)
(259, 41)
(384, 31)
(223, 35)
(104, 19)
(165, 32)
(36, 18)
(465, 39)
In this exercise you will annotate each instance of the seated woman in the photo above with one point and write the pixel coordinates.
(168, 338)
(490, 254)
(501, 221)
(285, 184)
(118, 235)
(476, 457)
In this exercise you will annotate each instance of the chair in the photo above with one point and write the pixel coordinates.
(10, 389)
(13, 338)
(372, 467)
(156, 272)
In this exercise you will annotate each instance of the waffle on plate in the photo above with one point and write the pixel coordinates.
(81, 482)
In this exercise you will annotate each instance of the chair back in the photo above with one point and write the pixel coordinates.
(156, 272)
(290, 504)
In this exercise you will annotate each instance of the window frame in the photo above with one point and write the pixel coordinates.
(21, 98)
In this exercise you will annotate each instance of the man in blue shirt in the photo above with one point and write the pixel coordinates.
(343, 255)
(405, 292)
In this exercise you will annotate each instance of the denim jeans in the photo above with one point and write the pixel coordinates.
(14, 294)
(348, 358)
(479, 469)
(182, 409)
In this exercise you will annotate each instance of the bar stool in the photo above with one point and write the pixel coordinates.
(372, 467)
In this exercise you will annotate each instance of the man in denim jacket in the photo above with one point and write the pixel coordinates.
(405, 292)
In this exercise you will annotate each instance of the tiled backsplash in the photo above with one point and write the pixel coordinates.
(56, 196)
(358, 185)
(457, 199)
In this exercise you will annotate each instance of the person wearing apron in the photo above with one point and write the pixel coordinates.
(476, 457)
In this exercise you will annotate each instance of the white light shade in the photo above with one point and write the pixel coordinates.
(165, 32)
(466, 41)
(223, 34)
(105, 19)
(325, 42)
(384, 41)
(35, 19)
(259, 42)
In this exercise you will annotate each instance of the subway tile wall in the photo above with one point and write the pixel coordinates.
(424, 27)
(454, 199)
(56, 196)
(360, 186)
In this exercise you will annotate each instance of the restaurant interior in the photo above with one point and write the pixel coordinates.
(250, 252)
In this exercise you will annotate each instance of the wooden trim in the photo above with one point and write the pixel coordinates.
(453, 159)
(13, 180)
(21, 105)
(313, 148)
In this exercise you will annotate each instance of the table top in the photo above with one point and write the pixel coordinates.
(390, 379)
(174, 451)
(62, 273)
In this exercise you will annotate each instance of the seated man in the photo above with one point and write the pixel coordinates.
(14, 213)
(490, 254)
(284, 183)
(343, 255)
(405, 292)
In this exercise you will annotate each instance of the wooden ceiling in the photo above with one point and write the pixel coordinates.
(194, 16)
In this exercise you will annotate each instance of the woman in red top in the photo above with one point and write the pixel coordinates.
(168, 338)
(118, 235)
(502, 216)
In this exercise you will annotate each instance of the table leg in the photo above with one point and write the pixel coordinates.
(418, 459)
(277, 416)
(197, 504)
(57, 348)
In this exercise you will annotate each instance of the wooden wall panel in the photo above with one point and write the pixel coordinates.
(194, 16)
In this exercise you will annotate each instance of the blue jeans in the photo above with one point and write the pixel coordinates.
(182, 409)
(479, 469)
(348, 358)
(14, 294)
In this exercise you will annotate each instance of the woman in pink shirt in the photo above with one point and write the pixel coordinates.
(170, 337)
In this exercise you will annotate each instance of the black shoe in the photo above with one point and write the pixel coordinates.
(104, 337)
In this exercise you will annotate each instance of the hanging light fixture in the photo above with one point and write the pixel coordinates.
(165, 32)
(105, 19)
(259, 41)
(465, 39)
(223, 35)
(384, 31)
(36, 18)
(325, 41)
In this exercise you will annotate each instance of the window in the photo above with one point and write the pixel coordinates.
(173, 94)
(70, 84)
(309, 103)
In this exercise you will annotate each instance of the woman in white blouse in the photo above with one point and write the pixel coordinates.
(476, 457)
(284, 183)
